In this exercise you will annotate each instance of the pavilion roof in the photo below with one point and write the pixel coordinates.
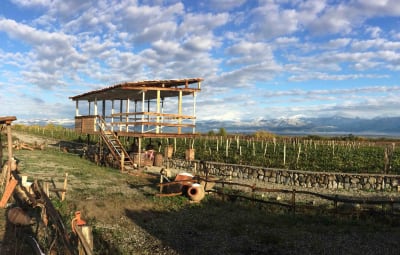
(132, 90)
(7, 119)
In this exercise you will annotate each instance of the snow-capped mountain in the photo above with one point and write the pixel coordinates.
(389, 126)
(303, 125)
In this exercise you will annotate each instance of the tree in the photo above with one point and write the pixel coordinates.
(222, 132)
(263, 134)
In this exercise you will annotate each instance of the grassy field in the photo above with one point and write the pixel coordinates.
(128, 219)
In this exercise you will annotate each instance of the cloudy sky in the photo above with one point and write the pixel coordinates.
(260, 59)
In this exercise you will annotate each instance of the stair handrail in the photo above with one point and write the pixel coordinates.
(104, 127)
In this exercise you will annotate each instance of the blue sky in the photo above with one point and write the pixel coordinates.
(260, 59)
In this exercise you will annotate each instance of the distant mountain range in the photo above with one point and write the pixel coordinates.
(388, 126)
(385, 126)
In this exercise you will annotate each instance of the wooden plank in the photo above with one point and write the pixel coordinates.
(65, 187)
(155, 135)
(138, 123)
(149, 88)
(7, 192)
(55, 218)
(170, 115)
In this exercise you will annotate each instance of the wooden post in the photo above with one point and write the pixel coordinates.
(284, 154)
(143, 110)
(7, 192)
(10, 152)
(294, 201)
(112, 115)
(175, 145)
(77, 108)
(85, 237)
(95, 113)
(122, 162)
(64, 187)
(127, 115)
(335, 204)
(120, 112)
(180, 111)
(140, 152)
(158, 111)
(161, 182)
(227, 148)
(194, 113)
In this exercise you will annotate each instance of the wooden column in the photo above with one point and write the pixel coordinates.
(112, 114)
(162, 111)
(127, 116)
(103, 110)
(95, 113)
(158, 110)
(180, 111)
(95, 106)
(135, 116)
(194, 112)
(140, 151)
(77, 108)
(120, 116)
(10, 152)
(143, 99)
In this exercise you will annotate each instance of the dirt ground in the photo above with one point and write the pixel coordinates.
(127, 218)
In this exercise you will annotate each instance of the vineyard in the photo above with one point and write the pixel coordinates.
(296, 153)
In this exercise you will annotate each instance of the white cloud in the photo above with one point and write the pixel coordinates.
(333, 77)
(270, 20)
(241, 48)
(32, 3)
(226, 4)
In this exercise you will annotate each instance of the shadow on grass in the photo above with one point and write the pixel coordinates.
(208, 228)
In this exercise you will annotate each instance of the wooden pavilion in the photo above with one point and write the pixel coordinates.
(138, 109)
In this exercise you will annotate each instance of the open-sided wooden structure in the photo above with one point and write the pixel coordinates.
(138, 109)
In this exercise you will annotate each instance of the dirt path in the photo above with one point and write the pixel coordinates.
(32, 139)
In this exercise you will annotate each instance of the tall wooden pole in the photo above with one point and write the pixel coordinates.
(180, 111)
(194, 112)
(10, 153)
(158, 110)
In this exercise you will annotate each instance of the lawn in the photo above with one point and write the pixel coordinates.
(127, 218)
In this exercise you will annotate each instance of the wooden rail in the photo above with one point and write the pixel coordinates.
(292, 204)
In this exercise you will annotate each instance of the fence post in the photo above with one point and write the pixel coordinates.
(294, 201)
(335, 204)
(223, 190)
(391, 206)
(161, 181)
(253, 193)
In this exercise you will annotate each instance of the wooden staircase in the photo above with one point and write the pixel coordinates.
(115, 146)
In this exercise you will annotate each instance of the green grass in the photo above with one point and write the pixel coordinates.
(128, 219)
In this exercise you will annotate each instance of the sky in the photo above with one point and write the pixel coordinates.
(260, 60)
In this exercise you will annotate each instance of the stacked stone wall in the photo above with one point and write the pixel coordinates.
(295, 178)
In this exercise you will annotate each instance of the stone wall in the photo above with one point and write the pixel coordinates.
(327, 180)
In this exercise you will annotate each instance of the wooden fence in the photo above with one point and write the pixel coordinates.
(253, 193)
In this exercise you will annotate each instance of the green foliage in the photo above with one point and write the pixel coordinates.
(312, 153)
(50, 130)
(300, 153)
(211, 133)
(263, 134)
(222, 132)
